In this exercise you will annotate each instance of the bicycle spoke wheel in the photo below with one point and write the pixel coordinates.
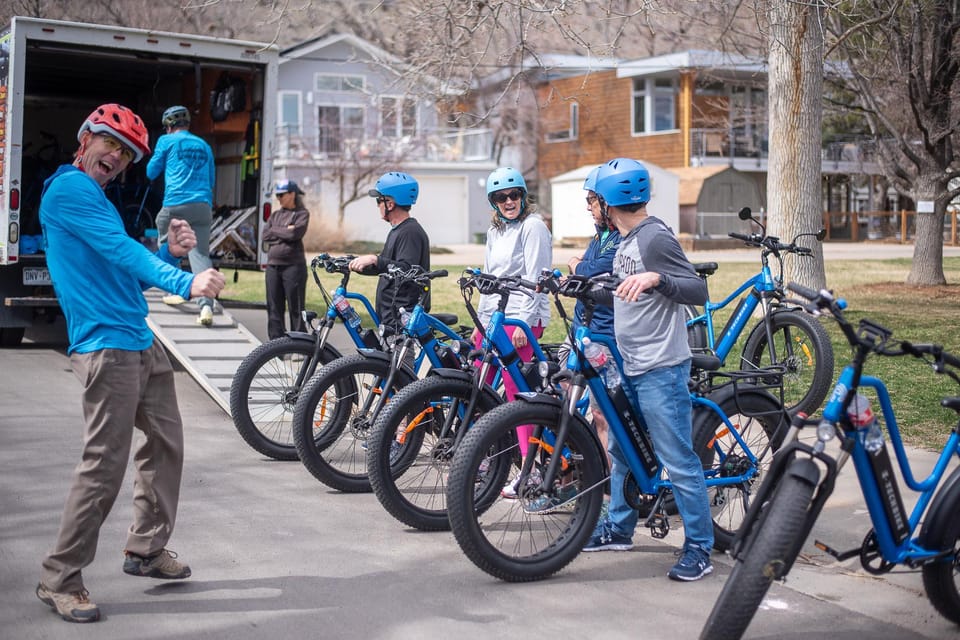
(802, 346)
(264, 390)
(332, 419)
(540, 531)
(412, 443)
(760, 423)
(775, 545)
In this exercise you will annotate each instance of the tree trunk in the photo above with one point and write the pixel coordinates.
(927, 267)
(794, 175)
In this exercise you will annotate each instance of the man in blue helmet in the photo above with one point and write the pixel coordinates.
(406, 245)
(189, 173)
(657, 281)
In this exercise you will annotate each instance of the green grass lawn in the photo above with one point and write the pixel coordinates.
(872, 288)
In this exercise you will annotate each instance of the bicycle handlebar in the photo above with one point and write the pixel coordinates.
(771, 244)
(935, 350)
(332, 264)
(487, 283)
(872, 335)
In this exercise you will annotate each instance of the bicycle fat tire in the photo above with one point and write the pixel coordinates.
(330, 429)
(758, 418)
(266, 380)
(940, 578)
(803, 389)
(410, 479)
(775, 546)
(505, 539)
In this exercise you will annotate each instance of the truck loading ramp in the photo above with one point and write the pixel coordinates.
(211, 354)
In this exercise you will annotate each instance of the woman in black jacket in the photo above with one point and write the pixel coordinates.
(286, 278)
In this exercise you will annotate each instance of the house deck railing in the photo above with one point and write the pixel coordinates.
(435, 145)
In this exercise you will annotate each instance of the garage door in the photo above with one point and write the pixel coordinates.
(442, 209)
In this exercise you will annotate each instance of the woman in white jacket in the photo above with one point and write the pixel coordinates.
(518, 244)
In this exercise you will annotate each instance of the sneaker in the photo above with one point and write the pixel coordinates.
(604, 538)
(72, 607)
(694, 564)
(173, 300)
(206, 315)
(563, 499)
(509, 490)
(163, 565)
(395, 449)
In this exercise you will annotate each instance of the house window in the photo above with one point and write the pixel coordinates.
(398, 117)
(340, 126)
(291, 122)
(325, 82)
(572, 132)
(654, 105)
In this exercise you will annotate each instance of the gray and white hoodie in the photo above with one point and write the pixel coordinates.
(652, 332)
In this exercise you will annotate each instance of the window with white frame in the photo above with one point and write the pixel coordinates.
(572, 132)
(398, 116)
(291, 120)
(341, 126)
(654, 105)
(340, 83)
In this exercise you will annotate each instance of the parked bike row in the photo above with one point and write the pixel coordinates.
(419, 418)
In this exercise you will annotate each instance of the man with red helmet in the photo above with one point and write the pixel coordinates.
(99, 274)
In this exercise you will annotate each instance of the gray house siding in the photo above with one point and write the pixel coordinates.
(336, 102)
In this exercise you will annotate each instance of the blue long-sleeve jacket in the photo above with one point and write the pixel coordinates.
(98, 271)
(597, 259)
(186, 162)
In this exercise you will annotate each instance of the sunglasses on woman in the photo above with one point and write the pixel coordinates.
(501, 197)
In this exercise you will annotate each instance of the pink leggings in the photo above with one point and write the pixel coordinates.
(525, 353)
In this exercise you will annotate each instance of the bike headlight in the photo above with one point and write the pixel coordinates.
(825, 431)
(543, 369)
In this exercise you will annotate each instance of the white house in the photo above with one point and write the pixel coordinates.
(572, 219)
(346, 108)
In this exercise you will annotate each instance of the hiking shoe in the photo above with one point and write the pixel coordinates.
(694, 564)
(72, 607)
(206, 315)
(604, 538)
(163, 565)
(509, 490)
(173, 299)
(562, 499)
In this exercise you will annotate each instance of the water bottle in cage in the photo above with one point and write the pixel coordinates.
(348, 313)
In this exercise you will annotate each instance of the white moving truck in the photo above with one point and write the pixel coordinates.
(53, 74)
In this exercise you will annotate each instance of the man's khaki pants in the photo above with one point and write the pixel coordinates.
(122, 390)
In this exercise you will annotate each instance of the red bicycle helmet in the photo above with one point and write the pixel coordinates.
(121, 122)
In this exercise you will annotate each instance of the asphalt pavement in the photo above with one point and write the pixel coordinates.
(276, 554)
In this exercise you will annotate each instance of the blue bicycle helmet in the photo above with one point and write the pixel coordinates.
(623, 181)
(504, 178)
(176, 116)
(590, 184)
(401, 187)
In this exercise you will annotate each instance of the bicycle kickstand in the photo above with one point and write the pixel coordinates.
(657, 521)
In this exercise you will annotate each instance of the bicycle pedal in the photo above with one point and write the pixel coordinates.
(658, 524)
(839, 555)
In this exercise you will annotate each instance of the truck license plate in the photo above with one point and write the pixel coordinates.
(36, 276)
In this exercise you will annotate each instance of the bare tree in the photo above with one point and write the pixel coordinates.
(901, 60)
(795, 112)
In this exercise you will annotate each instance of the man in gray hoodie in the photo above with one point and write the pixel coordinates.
(657, 281)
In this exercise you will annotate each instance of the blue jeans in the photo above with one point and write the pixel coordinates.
(662, 398)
